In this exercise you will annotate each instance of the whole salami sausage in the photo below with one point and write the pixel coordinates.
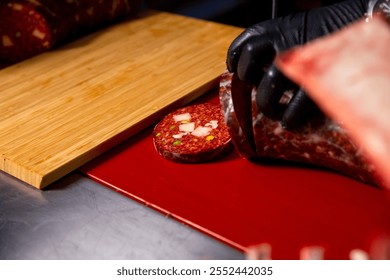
(321, 142)
(355, 90)
(30, 27)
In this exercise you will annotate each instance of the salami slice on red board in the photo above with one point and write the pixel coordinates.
(193, 134)
(322, 142)
(348, 75)
(30, 27)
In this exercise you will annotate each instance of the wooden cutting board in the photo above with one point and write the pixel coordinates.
(63, 108)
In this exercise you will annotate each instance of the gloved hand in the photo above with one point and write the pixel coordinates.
(251, 55)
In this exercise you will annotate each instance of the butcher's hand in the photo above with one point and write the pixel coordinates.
(252, 53)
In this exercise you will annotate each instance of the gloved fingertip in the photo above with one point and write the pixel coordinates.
(231, 61)
(298, 111)
(271, 89)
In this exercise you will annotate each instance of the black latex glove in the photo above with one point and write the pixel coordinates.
(252, 53)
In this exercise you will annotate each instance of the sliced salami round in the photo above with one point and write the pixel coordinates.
(193, 134)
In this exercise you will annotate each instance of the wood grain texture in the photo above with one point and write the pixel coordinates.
(64, 108)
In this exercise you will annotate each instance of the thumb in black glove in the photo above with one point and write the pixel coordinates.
(252, 53)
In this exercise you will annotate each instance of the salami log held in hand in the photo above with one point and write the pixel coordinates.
(321, 142)
(30, 27)
(348, 75)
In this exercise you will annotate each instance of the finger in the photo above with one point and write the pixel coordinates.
(255, 56)
(234, 50)
(298, 110)
(270, 90)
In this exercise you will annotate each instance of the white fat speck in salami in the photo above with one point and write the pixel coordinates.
(187, 127)
(16, 7)
(201, 131)
(38, 34)
(7, 42)
(193, 134)
(182, 117)
(213, 124)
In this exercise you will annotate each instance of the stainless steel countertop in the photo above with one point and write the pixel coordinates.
(77, 218)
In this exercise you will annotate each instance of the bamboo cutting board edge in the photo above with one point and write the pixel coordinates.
(34, 102)
(124, 135)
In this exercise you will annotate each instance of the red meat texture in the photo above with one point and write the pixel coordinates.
(193, 134)
(321, 142)
(348, 75)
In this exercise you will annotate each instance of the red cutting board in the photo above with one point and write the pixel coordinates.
(244, 203)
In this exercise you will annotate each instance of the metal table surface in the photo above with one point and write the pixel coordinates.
(77, 218)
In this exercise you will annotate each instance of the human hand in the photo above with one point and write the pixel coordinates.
(251, 55)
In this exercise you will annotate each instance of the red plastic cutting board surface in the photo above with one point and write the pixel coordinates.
(244, 203)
